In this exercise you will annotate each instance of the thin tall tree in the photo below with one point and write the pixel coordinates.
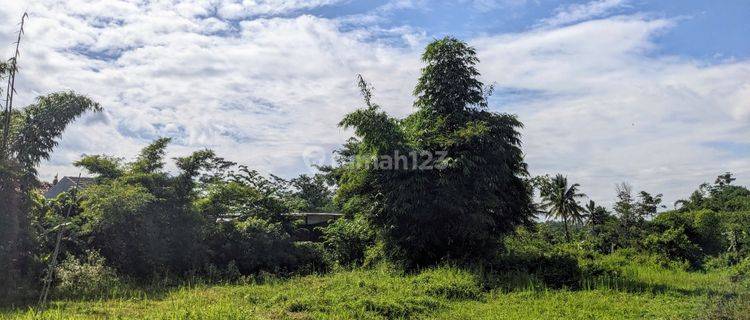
(29, 136)
(561, 201)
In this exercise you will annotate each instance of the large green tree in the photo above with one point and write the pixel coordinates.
(32, 134)
(461, 189)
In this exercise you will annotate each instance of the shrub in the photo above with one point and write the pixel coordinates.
(555, 265)
(741, 271)
(674, 245)
(347, 240)
(558, 270)
(449, 283)
(310, 257)
(85, 278)
(722, 261)
(257, 245)
(708, 226)
(610, 265)
(375, 255)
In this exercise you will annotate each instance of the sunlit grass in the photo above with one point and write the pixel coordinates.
(442, 293)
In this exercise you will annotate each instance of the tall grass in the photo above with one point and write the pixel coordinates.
(637, 291)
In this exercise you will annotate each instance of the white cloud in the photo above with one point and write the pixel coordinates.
(597, 104)
(259, 95)
(580, 12)
(248, 8)
(602, 110)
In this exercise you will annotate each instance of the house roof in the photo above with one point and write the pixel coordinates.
(67, 183)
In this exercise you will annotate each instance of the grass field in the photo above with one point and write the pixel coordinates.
(441, 293)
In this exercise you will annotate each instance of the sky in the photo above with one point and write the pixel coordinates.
(653, 93)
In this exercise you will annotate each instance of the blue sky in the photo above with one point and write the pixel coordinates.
(654, 93)
(710, 30)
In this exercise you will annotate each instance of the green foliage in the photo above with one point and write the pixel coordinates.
(722, 196)
(105, 167)
(32, 135)
(709, 229)
(310, 194)
(119, 223)
(741, 271)
(561, 201)
(89, 277)
(436, 293)
(151, 158)
(254, 235)
(597, 215)
(553, 265)
(35, 129)
(737, 232)
(347, 240)
(475, 195)
(674, 244)
(142, 219)
(255, 245)
(632, 214)
(449, 283)
(243, 194)
(708, 232)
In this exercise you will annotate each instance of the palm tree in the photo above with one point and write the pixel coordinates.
(560, 201)
(596, 214)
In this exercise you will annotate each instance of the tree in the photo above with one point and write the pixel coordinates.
(724, 179)
(460, 207)
(625, 202)
(32, 135)
(597, 214)
(561, 201)
(307, 193)
(648, 204)
(143, 219)
(721, 196)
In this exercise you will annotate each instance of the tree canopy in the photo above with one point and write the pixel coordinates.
(461, 207)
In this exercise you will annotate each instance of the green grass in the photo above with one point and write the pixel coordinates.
(441, 293)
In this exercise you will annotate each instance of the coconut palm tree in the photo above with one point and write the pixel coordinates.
(560, 201)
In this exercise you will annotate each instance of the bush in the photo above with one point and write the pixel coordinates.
(555, 265)
(257, 245)
(85, 278)
(558, 270)
(722, 261)
(449, 283)
(741, 271)
(674, 245)
(708, 226)
(347, 240)
(610, 265)
(310, 257)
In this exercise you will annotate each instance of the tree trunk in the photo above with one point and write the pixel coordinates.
(16, 261)
(9, 235)
(567, 233)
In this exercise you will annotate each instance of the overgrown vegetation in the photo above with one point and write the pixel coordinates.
(457, 239)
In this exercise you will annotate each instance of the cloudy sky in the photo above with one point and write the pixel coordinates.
(655, 93)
